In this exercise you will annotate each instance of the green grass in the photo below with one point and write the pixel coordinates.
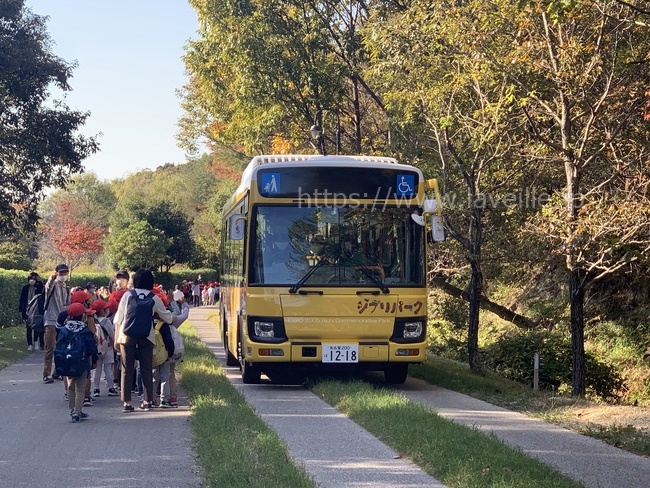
(456, 455)
(13, 345)
(235, 447)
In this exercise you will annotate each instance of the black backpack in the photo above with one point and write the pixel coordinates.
(70, 354)
(138, 318)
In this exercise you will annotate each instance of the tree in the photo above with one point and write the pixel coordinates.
(13, 256)
(75, 221)
(263, 71)
(39, 144)
(176, 227)
(582, 75)
(75, 239)
(463, 105)
(137, 246)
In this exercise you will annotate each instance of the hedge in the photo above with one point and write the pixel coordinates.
(12, 282)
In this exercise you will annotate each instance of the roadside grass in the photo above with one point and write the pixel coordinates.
(235, 448)
(13, 345)
(456, 455)
(545, 405)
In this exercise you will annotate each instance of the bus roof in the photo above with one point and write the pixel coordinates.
(312, 158)
(307, 160)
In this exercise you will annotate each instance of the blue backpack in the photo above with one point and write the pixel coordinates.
(70, 354)
(138, 318)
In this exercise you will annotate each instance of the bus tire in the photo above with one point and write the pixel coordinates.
(231, 360)
(396, 373)
(250, 373)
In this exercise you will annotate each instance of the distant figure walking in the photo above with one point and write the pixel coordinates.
(33, 287)
(196, 293)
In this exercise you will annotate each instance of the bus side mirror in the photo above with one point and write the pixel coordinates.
(237, 227)
(437, 229)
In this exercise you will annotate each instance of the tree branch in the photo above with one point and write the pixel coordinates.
(499, 310)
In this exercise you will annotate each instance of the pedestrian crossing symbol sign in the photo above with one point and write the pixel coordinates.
(270, 183)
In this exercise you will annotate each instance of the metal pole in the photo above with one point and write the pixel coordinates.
(536, 372)
(338, 133)
(321, 139)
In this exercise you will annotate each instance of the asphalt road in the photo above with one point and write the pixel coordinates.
(40, 447)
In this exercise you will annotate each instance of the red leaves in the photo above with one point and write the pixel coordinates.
(75, 238)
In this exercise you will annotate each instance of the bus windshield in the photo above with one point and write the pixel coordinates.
(348, 246)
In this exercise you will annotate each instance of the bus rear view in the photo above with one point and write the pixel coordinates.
(325, 266)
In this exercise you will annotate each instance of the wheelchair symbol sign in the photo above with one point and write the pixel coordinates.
(270, 183)
(405, 185)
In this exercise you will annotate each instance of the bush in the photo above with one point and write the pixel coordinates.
(512, 357)
(12, 282)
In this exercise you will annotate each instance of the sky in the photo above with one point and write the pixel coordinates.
(129, 68)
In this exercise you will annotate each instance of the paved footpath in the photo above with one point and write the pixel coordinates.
(335, 451)
(584, 459)
(40, 447)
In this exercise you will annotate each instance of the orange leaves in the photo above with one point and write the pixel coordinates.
(224, 172)
(280, 145)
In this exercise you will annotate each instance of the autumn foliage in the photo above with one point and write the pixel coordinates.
(75, 238)
(224, 171)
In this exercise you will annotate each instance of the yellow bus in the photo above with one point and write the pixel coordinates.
(324, 266)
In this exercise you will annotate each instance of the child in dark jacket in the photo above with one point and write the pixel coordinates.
(76, 324)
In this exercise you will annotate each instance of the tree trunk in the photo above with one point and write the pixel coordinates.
(475, 291)
(576, 298)
(357, 115)
(475, 238)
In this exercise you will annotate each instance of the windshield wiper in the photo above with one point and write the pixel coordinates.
(368, 272)
(324, 259)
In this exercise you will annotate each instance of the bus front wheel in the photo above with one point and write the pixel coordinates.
(396, 373)
(250, 373)
(231, 360)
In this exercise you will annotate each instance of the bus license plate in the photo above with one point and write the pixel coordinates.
(340, 353)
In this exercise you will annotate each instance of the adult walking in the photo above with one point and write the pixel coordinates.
(196, 293)
(135, 336)
(33, 287)
(57, 299)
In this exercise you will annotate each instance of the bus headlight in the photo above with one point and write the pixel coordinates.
(409, 330)
(264, 329)
(412, 330)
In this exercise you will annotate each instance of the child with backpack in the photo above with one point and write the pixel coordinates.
(74, 355)
(105, 338)
(135, 335)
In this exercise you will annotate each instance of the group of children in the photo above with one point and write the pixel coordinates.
(90, 318)
(199, 293)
